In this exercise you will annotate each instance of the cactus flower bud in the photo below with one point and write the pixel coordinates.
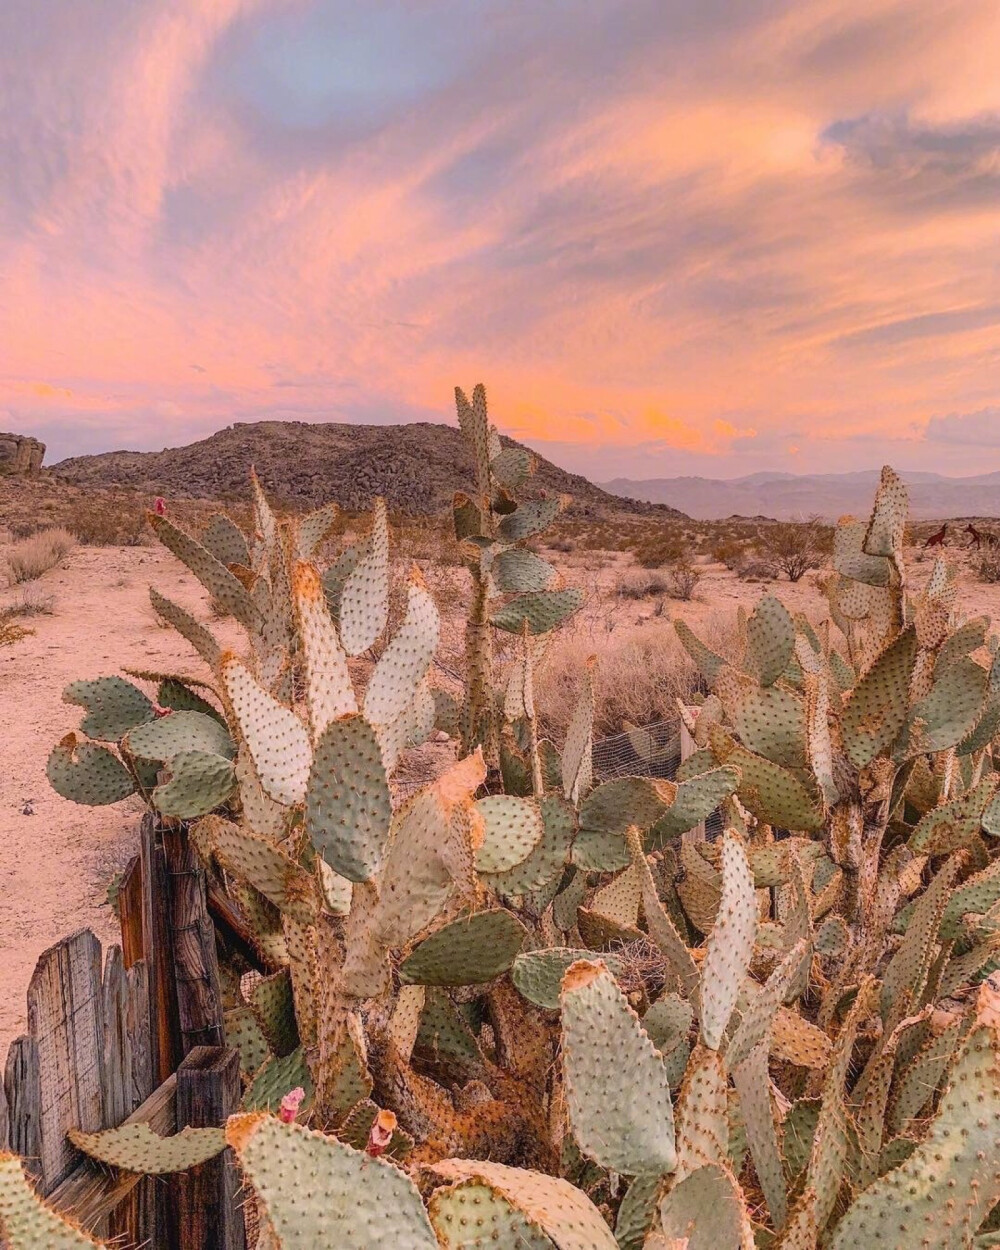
(290, 1105)
(381, 1133)
(160, 506)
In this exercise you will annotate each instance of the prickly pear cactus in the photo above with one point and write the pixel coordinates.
(519, 1008)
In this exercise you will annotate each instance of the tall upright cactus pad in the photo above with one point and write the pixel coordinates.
(616, 1086)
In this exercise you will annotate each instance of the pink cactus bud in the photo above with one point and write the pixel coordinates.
(290, 1105)
(161, 711)
(381, 1133)
(160, 506)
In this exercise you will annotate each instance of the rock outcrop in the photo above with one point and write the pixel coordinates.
(20, 455)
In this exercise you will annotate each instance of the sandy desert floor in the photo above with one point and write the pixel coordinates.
(57, 858)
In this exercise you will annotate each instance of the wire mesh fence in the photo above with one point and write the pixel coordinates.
(646, 751)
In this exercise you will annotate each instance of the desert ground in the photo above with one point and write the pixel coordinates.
(59, 859)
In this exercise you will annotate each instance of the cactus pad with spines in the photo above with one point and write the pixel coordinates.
(113, 705)
(348, 806)
(363, 604)
(29, 1223)
(538, 974)
(513, 827)
(606, 1055)
(220, 583)
(136, 1148)
(87, 773)
(277, 740)
(200, 781)
(351, 1200)
(469, 951)
(538, 612)
(404, 663)
(164, 737)
(878, 704)
(730, 944)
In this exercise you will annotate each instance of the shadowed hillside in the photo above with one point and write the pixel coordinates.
(415, 468)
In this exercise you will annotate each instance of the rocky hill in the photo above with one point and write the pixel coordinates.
(416, 468)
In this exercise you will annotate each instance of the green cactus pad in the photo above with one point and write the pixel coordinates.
(606, 1057)
(263, 865)
(917, 1081)
(577, 764)
(199, 783)
(668, 1021)
(538, 974)
(906, 973)
(405, 662)
(547, 860)
(363, 606)
(948, 713)
(954, 824)
(348, 805)
(512, 467)
(329, 692)
(730, 944)
(313, 529)
(471, 1216)
(566, 1215)
(770, 640)
(757, 1020)
(114, 706)
(976, 894)
(356, 1130)
(696, 799)
(277, 740)
(473, 421)
(136, 1148)
(772, 723)
(275, 1079)
(273, 1006)
(878, 705)
(180, 694)
(612, 808)
(530, 518)
(637, 1211)
(195, 633)
(244, 1033)
(352, 1199)
(947, 1186)
(850, 559)
(86, 773)
(337, 574)
(513, 827)
(164, 737)
(28, 1223)
(705, 660)
(797, 1133)
(519, 572)
(540, 612)
(226, 590)
(772, 793)
(884, 536)
(224, 539)
(707, 1211)
(469, 951)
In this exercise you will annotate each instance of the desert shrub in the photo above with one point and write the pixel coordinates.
(795, 546)
(101, 522)
(657, 550)
(755, 569)
(987, 566)
(30, 602)
(31, 557)
(681, 580)
(641, 671)
(641, 584)
(730, 552)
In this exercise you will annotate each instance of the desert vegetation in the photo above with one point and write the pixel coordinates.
(520, 1006)
(28, 558)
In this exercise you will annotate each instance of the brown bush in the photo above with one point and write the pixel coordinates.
(988, 566)
(31, 557)
(98, 522)
(682, 578)
(794, 546)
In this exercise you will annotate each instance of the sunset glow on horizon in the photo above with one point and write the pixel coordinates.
(670, 237)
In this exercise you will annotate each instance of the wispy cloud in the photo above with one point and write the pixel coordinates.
(709, 233)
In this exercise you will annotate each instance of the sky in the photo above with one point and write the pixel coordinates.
(670, 236)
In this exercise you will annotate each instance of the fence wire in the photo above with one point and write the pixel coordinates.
(646, 751)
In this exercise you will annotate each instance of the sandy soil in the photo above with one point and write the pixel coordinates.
(56, 862)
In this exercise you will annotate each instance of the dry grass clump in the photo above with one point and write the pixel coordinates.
(31, 601)
(100, 522)
(11, 632)
(640, 673)
(29, 558)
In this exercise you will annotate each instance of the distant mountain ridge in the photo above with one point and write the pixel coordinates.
(416, 468)
(788, 496)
